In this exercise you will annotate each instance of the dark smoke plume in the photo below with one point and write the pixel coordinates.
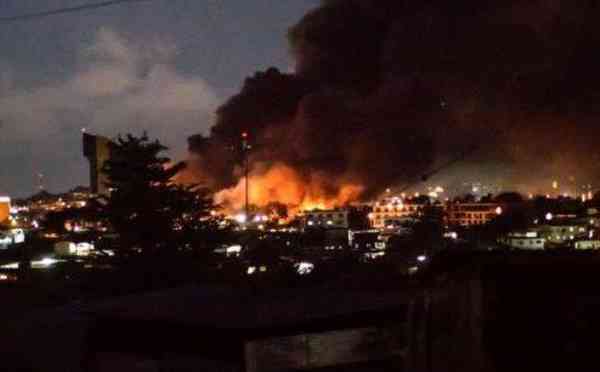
(383, 90)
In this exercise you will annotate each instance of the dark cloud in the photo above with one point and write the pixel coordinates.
(384, 90)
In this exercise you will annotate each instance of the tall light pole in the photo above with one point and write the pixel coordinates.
(245, 150)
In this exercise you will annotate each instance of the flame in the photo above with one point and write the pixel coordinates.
(282, 184)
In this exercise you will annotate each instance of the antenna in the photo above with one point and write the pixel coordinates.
(40, 181)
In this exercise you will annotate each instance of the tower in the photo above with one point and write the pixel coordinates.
(97, 150)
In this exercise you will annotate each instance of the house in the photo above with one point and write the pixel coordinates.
(523, 240)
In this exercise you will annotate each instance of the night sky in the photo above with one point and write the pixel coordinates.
(367, 93)
(161, 66)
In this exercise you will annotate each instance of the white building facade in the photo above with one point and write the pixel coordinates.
(524, 240)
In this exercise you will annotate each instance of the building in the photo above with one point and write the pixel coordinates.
(4, 209)
(97, 150)
(5, 240)
(577, 233)
(395, 212)
(560, 232)
(10, 237)
(66, 249)
(523, 240)
(587, 244)
(327, 218)
(471, 214)
(368, 240)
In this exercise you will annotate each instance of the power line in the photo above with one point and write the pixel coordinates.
(73, 9)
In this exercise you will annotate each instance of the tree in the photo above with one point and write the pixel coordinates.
(428, 231)
(148, 211)
(467, 198)
(513, 219)
(509, 197)
(358, 218)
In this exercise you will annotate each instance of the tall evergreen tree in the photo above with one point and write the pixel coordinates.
(150, 213)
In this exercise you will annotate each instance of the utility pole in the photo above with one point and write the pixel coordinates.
(245, 150)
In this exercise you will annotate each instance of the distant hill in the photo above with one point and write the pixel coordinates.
(45, 196)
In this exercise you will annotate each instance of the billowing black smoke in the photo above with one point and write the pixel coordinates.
(384, 89)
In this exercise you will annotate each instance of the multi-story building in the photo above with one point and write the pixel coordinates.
(394, 211)
(471, 214)
(329, 219)
(560, 232)
(4, 209)
(97, 150)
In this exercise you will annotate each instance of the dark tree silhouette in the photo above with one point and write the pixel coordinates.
(150, 213)
(513, 219)
(428, 231)
(358, 218)
(509, 197)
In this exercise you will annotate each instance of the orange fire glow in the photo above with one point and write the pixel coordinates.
(280, 183)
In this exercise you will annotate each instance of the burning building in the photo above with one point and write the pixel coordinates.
(284, 185)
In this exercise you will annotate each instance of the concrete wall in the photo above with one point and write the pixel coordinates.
(446, 330)
(317, 350)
